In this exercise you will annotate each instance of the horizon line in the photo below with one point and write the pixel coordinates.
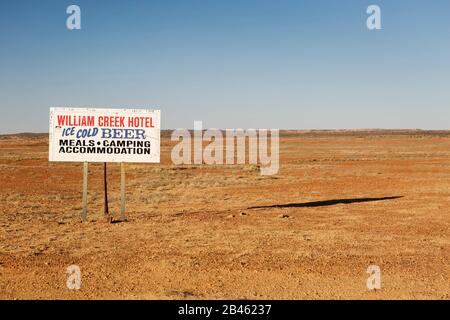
(298, 130)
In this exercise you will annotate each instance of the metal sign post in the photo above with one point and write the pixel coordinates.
(85, 191)
(105, 185)
(122, 191)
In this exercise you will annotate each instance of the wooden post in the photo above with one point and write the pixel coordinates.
(85, 191)
(105, 185)
(122, 190)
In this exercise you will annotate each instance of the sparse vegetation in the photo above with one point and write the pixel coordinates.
(227, 231)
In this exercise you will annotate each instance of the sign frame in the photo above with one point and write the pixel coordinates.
(94, 141)
(86, 119)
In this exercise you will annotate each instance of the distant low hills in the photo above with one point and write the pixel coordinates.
(287, 133)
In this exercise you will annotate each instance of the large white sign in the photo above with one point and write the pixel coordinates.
(104, 135)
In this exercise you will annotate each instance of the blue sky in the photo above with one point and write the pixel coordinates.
(248, 63)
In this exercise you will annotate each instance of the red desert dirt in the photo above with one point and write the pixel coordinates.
(342, 201)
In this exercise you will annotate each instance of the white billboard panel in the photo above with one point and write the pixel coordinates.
(104, 135)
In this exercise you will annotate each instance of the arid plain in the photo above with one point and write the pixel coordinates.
(341, 201)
